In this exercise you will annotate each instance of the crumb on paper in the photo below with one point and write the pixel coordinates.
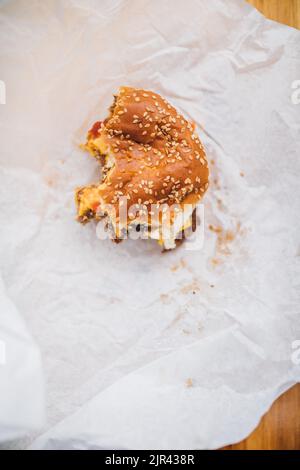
(164, 298)
(212, 228)
(177, 266)
(242, 174)
(179, 314)
(216, 183)
(221, 205)
(50, 182)
(225, 238)
(189, 383)
(193, 287)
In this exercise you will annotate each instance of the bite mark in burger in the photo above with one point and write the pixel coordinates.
(150, 155)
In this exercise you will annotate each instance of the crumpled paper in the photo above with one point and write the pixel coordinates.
(142, 350)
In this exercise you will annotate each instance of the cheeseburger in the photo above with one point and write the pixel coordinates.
(154, 170)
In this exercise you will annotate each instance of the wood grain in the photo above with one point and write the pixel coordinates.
(284, 11)
(279, 429)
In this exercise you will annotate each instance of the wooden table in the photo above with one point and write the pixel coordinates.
(284, 11)
(280, 427)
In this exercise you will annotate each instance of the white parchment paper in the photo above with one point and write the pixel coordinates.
(141, 350)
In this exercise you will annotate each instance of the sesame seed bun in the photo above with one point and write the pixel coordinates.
(149, 152)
